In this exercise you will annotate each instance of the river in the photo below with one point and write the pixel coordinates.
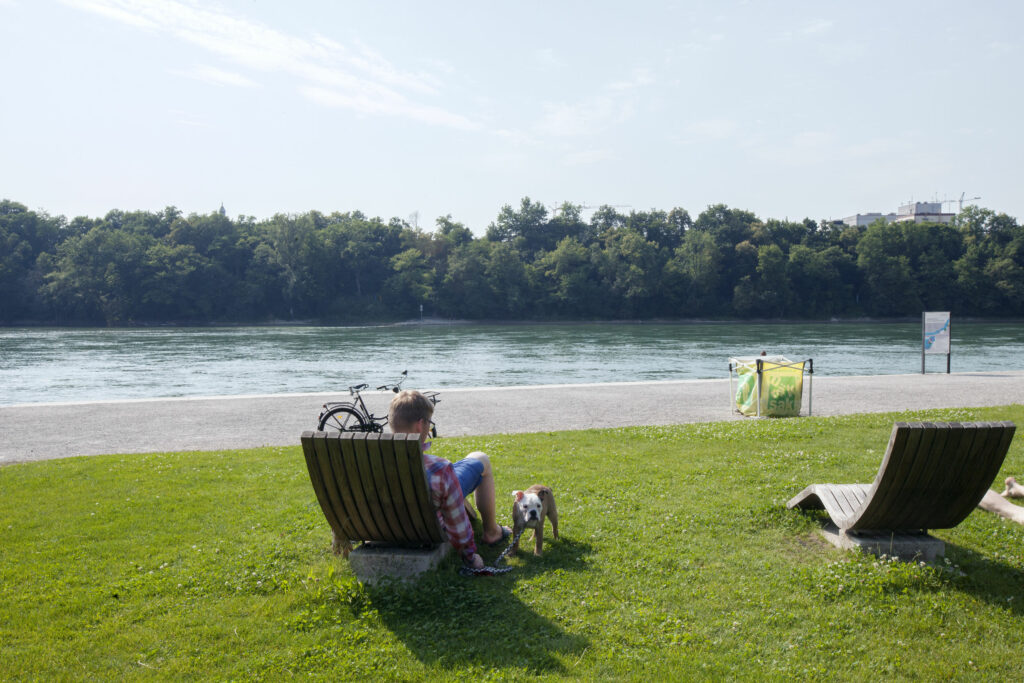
(50, 365)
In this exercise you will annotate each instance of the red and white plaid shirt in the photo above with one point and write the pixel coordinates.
(446, 495)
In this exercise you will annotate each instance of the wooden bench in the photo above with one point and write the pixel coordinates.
(372, 488)
(932, 476)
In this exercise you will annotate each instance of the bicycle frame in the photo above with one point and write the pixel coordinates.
(373, 422)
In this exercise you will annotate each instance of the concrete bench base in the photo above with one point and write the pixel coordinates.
(908, 547)
(373, 561)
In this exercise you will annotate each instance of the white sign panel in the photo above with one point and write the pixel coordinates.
(936, 332)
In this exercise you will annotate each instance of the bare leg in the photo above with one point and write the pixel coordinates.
(484, 496)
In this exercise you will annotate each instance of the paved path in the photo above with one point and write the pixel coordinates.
(40, 432)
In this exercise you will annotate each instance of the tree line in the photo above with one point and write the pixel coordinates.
(532, 264)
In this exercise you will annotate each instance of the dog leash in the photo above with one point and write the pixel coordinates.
(491, 571)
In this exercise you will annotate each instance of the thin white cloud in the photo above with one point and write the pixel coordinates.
(712, 129)
(584, 118)
(547, 58)
(588, 157)
(640, 78)
(354, 77)
(114, 10)
(215, 76)
(816, 26)
(387, 103)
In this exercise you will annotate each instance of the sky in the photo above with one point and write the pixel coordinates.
(419, 110)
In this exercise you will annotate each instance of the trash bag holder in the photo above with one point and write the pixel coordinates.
(770, 386)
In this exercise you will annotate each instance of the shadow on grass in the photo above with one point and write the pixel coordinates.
(453, 621)
(986, 579)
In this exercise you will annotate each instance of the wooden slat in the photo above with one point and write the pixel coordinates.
(996, 461)
(834, 505)
(329, 468)
(956, 468)
(355, 487)
(918, 501)
(923, 471)
(379, 453)
(407, 457)
(978, 473)
(854, 497)
(345, 506)
(890, 478)
(309, 450)
(414, 470)
(370, 493)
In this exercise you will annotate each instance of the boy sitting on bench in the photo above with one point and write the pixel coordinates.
(449, 483)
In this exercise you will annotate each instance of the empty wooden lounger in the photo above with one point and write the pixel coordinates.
(932, 476)
(372, 487)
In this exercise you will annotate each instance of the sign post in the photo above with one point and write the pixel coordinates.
(935, 335)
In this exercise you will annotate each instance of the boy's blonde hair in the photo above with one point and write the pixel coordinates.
(408, 408)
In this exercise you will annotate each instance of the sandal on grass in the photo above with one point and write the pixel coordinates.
(505, 533)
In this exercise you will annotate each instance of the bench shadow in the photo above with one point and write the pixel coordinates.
(449, 620)
(988, 579)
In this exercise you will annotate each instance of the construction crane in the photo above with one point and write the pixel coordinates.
(612, 206)
(960, 202)
(584, 207)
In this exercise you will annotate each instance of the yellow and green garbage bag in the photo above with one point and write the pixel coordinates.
(782, 384)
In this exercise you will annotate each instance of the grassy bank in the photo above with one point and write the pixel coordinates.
(677, 561)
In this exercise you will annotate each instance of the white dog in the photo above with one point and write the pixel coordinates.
(529, 510)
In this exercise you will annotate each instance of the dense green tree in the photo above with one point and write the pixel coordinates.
(525, 228)
(465, 291)
(630, 268)
(890, 285)
(410, 284)
(511, 281)
(728, 228)
(24, 236)
(97, 277)
(140, 267)
(699, 261)
(822, 282)
(571, 281)
(171, 284)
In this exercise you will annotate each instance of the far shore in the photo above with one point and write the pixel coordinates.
(487, 321)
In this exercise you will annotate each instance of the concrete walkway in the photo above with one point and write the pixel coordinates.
(44, 431)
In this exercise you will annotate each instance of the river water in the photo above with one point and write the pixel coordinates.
(47, 365)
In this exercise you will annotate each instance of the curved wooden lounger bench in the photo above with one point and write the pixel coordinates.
(932, 476)
(372, 488)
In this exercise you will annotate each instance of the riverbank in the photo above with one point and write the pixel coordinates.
(48, 431)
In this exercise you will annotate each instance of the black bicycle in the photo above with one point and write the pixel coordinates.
(354, 416)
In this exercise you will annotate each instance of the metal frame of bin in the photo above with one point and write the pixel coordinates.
(808, 370)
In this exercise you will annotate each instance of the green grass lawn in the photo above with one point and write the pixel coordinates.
(678, 560)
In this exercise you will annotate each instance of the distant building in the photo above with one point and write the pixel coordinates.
(868, 218)
(924, 212)
(917, 212)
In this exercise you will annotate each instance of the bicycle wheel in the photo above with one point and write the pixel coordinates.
(343, 418)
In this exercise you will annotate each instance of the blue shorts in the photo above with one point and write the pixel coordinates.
(469, 472)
